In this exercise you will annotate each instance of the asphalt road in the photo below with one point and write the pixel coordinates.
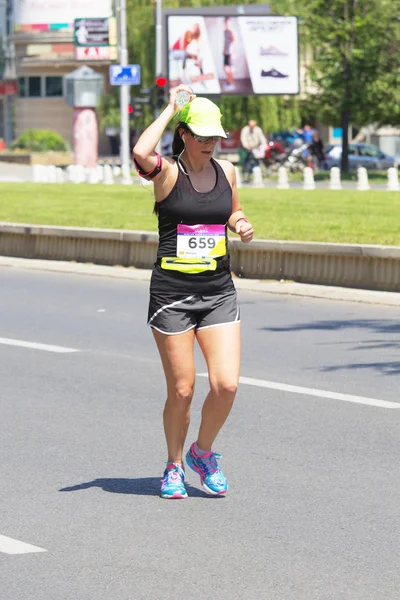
(313, 509)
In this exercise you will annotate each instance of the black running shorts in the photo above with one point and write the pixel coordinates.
(173, 314)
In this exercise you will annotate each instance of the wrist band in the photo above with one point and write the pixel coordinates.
(151, 174)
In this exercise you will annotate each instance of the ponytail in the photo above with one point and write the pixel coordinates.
(178, 144)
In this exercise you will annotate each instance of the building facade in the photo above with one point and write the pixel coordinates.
(43, 38)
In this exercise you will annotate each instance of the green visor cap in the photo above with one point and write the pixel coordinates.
(203, 117)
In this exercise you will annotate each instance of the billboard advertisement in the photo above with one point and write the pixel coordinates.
(92, 32)
(57, 14)
(234, 55)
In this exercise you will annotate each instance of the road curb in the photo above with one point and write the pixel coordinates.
(355, 266)
(283, 288)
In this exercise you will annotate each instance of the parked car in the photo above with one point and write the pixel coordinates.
(360, 155)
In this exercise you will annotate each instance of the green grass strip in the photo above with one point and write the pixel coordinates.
(347, 216)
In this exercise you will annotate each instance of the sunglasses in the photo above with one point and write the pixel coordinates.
(203, 140)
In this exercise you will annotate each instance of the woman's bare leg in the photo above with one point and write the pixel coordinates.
(221, 349)
(177, 356)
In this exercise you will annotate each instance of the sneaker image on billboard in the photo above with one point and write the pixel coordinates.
(272, 51)
(273, 73)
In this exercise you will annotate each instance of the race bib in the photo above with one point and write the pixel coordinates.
(200, 241)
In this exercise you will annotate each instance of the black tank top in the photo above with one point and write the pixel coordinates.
(186, 205)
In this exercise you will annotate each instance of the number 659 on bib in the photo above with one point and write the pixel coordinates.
(200, 241)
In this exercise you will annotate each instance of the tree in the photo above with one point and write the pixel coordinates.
(108, 110)
(354, 62)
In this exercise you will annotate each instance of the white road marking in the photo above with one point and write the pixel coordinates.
(10, 546)
(295, 389)
(34, 346)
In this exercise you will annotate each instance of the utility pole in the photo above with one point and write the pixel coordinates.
(159, 41)
(3, 53)
(125, 151)
(6, 29)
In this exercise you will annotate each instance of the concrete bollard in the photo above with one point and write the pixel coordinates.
(308, 179)
(71, 173)
(92, 176)
(238, 178)
(283, 181)
(393, 180)
(80, 174)
(257, 177)
(335, 182)
(108, 175)
(60, 175)
(51, 174)
(39, 174)
(126, 175)
(100, 173)
(362, 179)
(116, 171)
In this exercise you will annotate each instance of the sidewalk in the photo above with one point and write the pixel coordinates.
(14, 173)
(285, 288)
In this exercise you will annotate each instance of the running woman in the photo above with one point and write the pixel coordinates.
(192, 295)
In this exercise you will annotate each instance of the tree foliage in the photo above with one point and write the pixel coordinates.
(354, 59)
(41, 140)
(108, 110)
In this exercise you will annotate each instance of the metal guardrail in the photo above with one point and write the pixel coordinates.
(347, 265)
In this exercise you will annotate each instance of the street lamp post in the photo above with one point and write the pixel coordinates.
(124, 94)
(159, 36)
(6, 28)
(159, 40)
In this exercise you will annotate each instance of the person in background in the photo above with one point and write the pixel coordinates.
(81, 33)
(306, 133)
(253, 142)
(317, 152)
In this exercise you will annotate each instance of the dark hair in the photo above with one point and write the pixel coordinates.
(178, 146)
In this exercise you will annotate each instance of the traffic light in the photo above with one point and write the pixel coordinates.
(161, 92)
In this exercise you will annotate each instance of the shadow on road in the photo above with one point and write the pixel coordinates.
(389, 327)
(141, 486)
(386, 368)
(375, 325)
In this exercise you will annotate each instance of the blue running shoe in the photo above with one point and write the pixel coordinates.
(212, 478)
(172, 484)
